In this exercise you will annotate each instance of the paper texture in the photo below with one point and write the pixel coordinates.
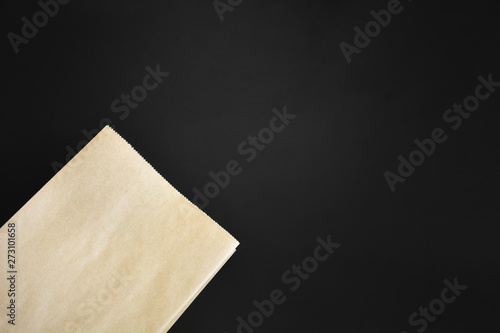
(108, 245)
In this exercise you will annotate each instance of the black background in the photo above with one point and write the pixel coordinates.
(323, 175)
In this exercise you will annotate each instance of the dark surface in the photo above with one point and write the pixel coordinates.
(323, 175)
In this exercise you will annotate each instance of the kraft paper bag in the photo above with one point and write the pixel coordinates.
(107, 245)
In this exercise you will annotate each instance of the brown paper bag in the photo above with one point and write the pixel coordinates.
(107, 245)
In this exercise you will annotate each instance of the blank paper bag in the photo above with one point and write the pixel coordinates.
(107, 245)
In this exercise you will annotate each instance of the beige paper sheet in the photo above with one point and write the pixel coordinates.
(108, 245)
